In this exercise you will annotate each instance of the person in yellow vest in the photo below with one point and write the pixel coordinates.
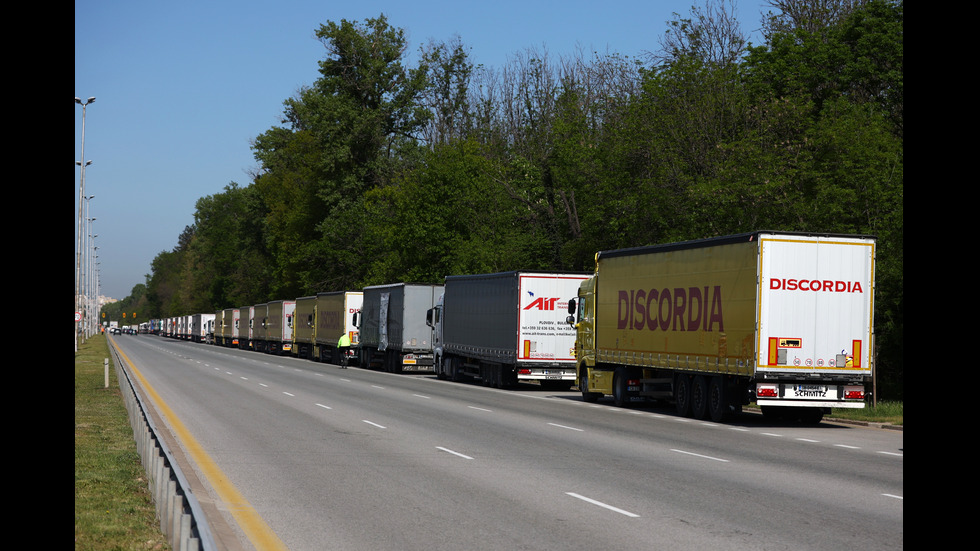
(343, 345)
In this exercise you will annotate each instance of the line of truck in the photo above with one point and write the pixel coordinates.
(783, 320)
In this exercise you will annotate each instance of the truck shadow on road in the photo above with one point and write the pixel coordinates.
(748, 417)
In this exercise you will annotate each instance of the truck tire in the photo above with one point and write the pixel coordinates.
(454, 370)
(621, 396)
(699, 397)
(392, 361)
(589, 397)
(508, 376)
(682, 395)
(718, 407)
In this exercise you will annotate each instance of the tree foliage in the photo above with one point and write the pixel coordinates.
(382, 171)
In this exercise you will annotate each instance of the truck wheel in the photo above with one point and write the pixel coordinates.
(699, 397)
(620, 393)
(682, 395)
(508, 376)
(717, 400)
(454, 374)
(392, 362)
(587, 396)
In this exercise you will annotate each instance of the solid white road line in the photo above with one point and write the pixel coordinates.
(601, 504)
(447, 450)
(699, 455)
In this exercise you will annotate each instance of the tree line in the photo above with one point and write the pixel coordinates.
(395, 167)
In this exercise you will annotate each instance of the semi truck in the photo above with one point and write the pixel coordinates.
(228, 330)
(246, 327)
(279, 326)
(304, 324)
(258, 328)
(506, 328)
(334, 317)
(784, 320)
(393, 333)
(202, 327)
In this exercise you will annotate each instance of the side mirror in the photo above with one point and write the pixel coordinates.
(572, 306)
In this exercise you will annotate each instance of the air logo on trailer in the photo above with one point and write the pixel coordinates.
(542, 303)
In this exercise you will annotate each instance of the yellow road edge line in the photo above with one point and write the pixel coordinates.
(258, 532)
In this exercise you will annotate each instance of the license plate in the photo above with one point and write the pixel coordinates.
(809, 391)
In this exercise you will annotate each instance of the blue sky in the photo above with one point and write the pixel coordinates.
(182, 87)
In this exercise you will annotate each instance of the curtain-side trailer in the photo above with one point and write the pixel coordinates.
(506, 327)
(201, 327)
(246, 326)
(279, 326)
(393, 333)
(784, 320)
(260, 327)
(228, 330)
(334, 317)
(304, 324)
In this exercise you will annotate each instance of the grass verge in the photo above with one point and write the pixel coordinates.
(890, 412)
(113, 507)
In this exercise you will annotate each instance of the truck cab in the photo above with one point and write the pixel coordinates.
(433, 318)
(581, 312)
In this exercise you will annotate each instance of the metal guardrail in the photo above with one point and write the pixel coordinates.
(181, 518)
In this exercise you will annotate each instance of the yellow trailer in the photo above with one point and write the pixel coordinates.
(335, 317)
(781, 319)
(304, 326)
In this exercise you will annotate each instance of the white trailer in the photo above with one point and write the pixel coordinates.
(201, 327)
(505, 328)
(279, 326)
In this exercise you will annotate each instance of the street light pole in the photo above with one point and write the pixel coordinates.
(81, 196)
(93, 300)
(86, 276)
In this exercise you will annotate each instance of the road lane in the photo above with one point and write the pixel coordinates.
(351, 459)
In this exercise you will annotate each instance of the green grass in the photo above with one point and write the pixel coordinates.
(890, 412)
(113, 507)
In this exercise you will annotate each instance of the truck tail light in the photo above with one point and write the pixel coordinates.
(854, 393)
(524, 371)
(767, 391)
